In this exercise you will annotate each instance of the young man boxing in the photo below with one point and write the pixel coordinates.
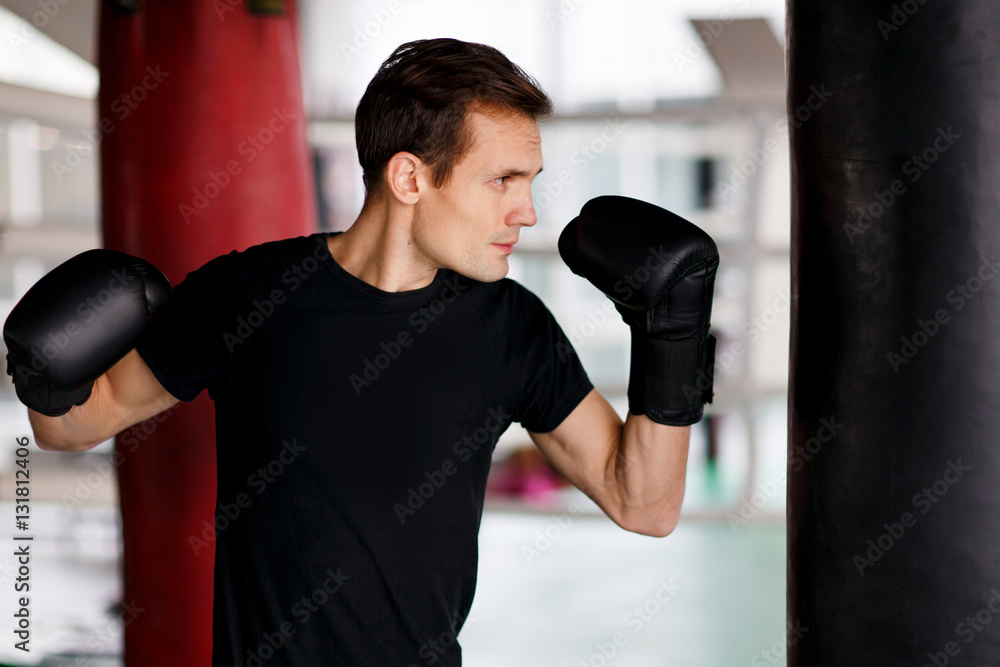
(392, 355)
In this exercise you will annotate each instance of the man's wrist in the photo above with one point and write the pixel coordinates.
(671, 381)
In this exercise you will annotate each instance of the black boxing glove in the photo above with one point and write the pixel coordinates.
(659, 270)
(75, 323)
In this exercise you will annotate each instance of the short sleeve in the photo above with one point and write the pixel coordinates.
(555, 379)
(184, 342)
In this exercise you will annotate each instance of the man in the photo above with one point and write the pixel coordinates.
(385, 362)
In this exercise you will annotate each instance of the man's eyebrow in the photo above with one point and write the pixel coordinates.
(507, 173)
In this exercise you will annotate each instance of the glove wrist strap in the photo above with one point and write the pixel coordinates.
(671, 381)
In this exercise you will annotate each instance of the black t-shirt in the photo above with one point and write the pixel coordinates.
(354, 432)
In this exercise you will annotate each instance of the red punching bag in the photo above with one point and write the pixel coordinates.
(203, 152)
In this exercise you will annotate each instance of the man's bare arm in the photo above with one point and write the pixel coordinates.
(634, 471)
(126, 394)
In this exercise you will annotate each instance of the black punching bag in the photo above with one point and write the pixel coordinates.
(894, 387)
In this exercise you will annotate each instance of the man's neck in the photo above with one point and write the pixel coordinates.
(379, 249)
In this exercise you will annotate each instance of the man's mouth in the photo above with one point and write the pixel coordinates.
(506, 247)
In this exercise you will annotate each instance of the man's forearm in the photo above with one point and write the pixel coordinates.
(649, 472)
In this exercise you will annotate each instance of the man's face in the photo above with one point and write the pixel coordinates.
(467, 224)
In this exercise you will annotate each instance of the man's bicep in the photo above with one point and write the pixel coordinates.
(583, 445)
(131, 393)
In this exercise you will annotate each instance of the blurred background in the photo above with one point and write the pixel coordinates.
(679, 103)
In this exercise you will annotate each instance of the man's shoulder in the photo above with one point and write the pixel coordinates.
(313, 244)
(276, 257)
(262, 262)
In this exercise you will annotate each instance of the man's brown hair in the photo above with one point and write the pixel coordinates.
(418, 101)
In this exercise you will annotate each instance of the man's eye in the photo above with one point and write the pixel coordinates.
(501, 180)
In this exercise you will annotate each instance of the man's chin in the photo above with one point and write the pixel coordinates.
(489, 273)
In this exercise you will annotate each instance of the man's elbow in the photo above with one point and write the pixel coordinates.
(47, 438)
(46, 446)
(661, 528)
(659, 525)
(63, 446)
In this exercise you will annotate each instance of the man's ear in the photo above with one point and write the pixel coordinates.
(404, 177)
